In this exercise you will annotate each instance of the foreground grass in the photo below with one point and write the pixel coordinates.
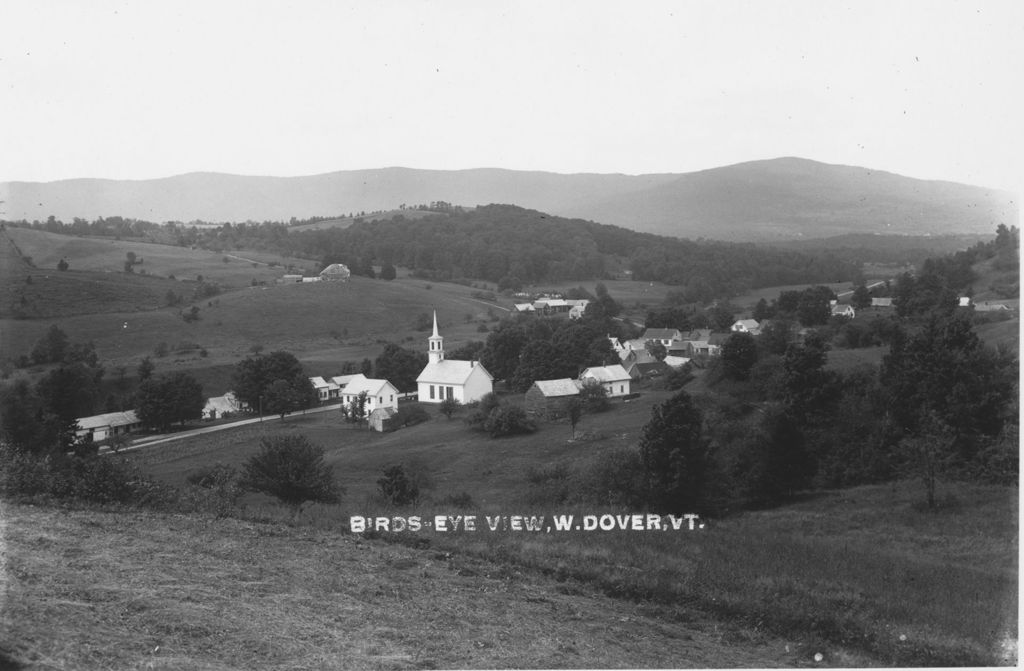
(98, 590)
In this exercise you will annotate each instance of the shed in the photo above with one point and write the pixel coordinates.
(548, 398)
(383, 419)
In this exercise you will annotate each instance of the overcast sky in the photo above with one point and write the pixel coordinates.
(138, 90)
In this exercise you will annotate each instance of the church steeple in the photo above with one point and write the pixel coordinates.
(435, 352)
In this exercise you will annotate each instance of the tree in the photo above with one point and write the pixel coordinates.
(508, 421)
(448, 407)
(739, 354)
(539, 361)
(162, 401)
(861, 297)
(594, 396)
(656, 349)
(504, 345)
(928, 453)
(291, 469)
(357, 408)
(388, 272)
(63, 265)
(52, 347)
(24, 422)
(400, 366)
(676, 457)
(254, 375)
(145, 369)
(574, 410)
(775, 462)
(281, 397)
(397, 487)
(609, 307)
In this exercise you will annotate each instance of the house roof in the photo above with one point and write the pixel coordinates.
(676, 361)
(450, 371)
(661, 334)
(318, 382)
(226, 403)
(336, 269)
(563, 387)
(524, 307)
(108, 419)
(841, 309)
(881, 302)
(749, 324)
(612, 373)
(652, 368)
(371, 386)
(636, 344)
(342, 380)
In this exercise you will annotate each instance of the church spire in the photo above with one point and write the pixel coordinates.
(435, 352)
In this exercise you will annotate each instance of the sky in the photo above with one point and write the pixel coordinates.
(138, 90)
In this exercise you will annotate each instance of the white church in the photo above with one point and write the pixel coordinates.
(464, 381)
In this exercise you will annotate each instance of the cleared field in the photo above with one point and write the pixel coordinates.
(230, 269)
(864, 576)
(322, 323)
(95, 590)
(748, 300)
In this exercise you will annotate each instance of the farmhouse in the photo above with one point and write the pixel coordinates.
(379, 393)
(614, 379)
(336, 272)
(221, 406)
(664, 336)
(548, 398)
(881, 302)
(101, 427)
(464, 381)
(325, 391)
(843, 311)
(524, 307)
(746, 326)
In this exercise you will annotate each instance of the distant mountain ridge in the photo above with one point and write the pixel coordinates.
(758, 200)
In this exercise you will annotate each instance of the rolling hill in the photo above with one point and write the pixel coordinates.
(757, 200)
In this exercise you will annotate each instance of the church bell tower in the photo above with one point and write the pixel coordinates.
(435, 352)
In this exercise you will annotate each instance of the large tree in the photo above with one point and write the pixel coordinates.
(165, 400)
(291, 469)
(739, 354)
(676, 457)
(254, 375)
(399, 366)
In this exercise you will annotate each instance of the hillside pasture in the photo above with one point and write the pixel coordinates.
(345, 222)
(107, 255)
(747, 301)
(862, 576)
(323, 323)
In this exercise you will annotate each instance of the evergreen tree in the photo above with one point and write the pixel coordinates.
(676, 458)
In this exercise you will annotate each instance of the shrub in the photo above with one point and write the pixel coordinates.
(291, 469)
(411, 413)
(508, 421)
(397, 487)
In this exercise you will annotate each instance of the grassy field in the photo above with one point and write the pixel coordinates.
(106, 255)
(100, 590)
(323, 324)
(863, 574)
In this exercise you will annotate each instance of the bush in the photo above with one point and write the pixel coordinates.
(411, 413)
(291, 469)
(92, 479)
(508, 421)
(397, 487)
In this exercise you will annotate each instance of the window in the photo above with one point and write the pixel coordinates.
(450, 392)
(431, 392)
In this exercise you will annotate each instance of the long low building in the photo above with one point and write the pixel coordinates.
(107, 425)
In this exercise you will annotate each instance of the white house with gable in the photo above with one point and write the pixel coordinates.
(379, 393)
(614, 379)
(441, 378)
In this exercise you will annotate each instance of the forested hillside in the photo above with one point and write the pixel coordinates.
(505, 244)
(511, 245)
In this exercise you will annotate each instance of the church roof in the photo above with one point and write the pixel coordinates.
(450, 371)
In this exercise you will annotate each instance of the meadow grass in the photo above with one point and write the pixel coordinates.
(865, 569)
